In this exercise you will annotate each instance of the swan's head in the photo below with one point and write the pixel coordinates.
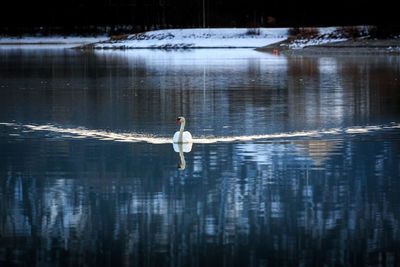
(181, 167)
(180, 119)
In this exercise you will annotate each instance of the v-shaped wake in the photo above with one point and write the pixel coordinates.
(81, 132)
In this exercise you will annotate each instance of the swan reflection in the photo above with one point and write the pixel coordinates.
(182, 148)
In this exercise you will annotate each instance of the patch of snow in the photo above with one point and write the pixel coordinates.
(325, 36)
(199, 38)
(300, 44)
(51, 41)
(393, 49)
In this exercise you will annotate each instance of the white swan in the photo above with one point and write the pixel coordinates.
(181, 136)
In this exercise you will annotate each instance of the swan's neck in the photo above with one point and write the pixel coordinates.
(183, 162)
(181, 132)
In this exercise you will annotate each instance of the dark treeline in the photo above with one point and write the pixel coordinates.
(119, 16)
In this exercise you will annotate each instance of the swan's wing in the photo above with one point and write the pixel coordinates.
(187, 147)
(184, 147)
(176, 137)
(187, 137)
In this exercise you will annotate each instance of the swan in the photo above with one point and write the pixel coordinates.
(181, 136)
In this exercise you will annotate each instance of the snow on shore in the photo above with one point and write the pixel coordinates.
(49, 41)
(325, 36)
(199, 38)
(218, 38)
(181, 38)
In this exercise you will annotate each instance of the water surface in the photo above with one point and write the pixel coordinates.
(296, 160)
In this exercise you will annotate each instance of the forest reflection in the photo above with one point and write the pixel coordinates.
(267, 197)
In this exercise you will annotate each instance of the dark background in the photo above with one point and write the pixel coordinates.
(119, 16)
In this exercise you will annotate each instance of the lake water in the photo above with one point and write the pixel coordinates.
(296, 160)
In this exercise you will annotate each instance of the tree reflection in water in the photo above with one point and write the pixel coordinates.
(88, 202)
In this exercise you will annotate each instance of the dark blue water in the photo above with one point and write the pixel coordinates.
(88, 176)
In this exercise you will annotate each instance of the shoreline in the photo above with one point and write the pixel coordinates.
(55, 41)
(328, 40)
(352, 46)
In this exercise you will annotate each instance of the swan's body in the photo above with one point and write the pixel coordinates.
(182, 136)
(186, 137)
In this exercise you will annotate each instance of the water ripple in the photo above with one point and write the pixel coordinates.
(81, 132)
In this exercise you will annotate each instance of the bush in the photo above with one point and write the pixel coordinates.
(119, 37)
(353, 31)
(253, 31)
(384, 31)
(271, 20)
(303, 33)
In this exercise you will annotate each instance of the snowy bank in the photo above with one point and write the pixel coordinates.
(347, 40)
(223, 38)
(49, 41)
(196, 38)
(281, 40)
